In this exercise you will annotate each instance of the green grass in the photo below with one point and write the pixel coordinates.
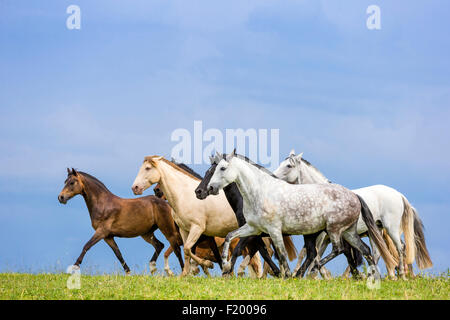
(53, 286)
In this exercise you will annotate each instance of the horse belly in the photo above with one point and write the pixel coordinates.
(300, 224)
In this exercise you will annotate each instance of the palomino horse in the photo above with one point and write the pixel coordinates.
(390, 208)
(254, 243)
(275, 207)
(112, 216)
(203, 249)
(213, 217)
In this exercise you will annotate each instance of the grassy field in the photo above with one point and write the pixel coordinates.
(53, 286)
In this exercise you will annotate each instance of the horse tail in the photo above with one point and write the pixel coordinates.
(376, 236)
(407, 226)
(256, 269)
(390, 244)
(422, 254)
(290, 248)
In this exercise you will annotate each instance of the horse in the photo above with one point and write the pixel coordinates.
(390, 209)
(112, 216)
(276, 207)
(203, 249)
(254, 243)
(213, 217)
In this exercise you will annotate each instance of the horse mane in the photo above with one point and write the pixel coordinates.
(260, 167)
(308, 164)
(188, 169)
(185, 169)
(94, 179)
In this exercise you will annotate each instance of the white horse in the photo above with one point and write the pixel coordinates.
(275, 207)
(389, 207)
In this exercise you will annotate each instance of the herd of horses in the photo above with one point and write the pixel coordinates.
(240, 208)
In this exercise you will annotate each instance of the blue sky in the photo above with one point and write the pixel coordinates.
(365, 107)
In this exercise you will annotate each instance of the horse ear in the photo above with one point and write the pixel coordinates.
(292, 153)
(230, 156)
(74, 172)
(299, 157)
(68, 172)
(211, 159)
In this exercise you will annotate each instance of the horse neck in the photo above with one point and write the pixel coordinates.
(174, 184)
(309, 175)
(234, 198)
(249, 181)
(94, 196)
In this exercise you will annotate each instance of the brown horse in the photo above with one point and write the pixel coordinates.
(203, 247)
(112, 216)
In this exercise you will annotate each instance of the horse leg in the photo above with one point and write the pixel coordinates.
(399, 245)
(255, 244)
(352, 265)
(352, 237)
(267, 269)
(215, 250)
(98, 235)
(194, 233)
(393, 230)
(167, 253)
(311, 253)
(376, 257)
(255, 267)
(301, 256)
(158, 245)
(262, 248)
(277, 239)
(335, 238)
(175, 247)
(322, 242)
(243, 231)
(110, 241)
(243, 265)
(237, 251)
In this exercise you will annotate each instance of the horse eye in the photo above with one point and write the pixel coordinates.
(147, 168)
(223, 168)
(72, 183)
(289, 166)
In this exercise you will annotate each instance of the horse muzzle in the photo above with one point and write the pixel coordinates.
(62, 199)
(201, 194)
(213, 190)
(137, 190)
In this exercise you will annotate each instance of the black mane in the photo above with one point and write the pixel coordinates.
(188, 169)
(94, 179)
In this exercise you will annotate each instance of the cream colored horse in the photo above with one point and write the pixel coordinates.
(212, 217)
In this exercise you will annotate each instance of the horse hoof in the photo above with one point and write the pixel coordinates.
(195, 271)
(226, 267)
(169, 273)
(152, 266)
(73, 268)
(127, 272)
(241, 273)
